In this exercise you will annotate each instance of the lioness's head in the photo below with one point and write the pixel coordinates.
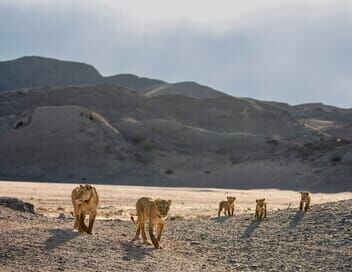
(260, 202)
(162, 206)
(84, 193)
(231, 199)
(304, 195)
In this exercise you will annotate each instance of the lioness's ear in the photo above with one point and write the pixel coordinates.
(169, 202)
(81, 186)
(228, 198)
(263, 199)
(88, 186)
(156, 201)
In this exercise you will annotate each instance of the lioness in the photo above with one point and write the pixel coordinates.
(305, 200)
(260, 209)
(228, 206)
(85, 202)
(152, 211)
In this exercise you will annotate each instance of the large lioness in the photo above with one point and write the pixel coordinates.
(85, 201)
(153, 211)
(228, 206)
(305, 201)
(260, 209)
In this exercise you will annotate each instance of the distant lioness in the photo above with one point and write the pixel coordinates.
(228, 206)
(305, 201)
(85, 201)
(260, 209)
(152, 211)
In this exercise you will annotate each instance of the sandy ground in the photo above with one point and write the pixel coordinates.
(287, 240)
(118, 202)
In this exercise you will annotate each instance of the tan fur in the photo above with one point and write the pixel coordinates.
(228, 206)
(305, 201)
(260, 209)
(85, 201)
(152, 211)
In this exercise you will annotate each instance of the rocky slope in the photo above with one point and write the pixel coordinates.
(188, 89)
(288, 240)
(140, 84)
(181, 134)
(67, 139)
(109, 134)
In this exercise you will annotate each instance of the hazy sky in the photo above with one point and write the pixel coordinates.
(291, 51)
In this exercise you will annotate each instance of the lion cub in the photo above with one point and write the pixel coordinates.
(260, 209)
(305, 201)
(153, 211)
(228, 206)
(85, 201)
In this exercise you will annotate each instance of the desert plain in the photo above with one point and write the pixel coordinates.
(118, 201)
(194, 238)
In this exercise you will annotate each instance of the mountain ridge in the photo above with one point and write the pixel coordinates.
(38, 72)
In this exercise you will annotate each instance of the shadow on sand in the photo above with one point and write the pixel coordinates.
(220, 219)
(296, 219)
(59, 237)
(255, 223)
(133, 251)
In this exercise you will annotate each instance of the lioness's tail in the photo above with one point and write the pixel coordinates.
(132, 218)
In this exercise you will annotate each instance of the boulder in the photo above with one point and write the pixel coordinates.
(16, 204)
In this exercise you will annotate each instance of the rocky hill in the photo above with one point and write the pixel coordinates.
(181, 134)
(28, 72)
(288, 240)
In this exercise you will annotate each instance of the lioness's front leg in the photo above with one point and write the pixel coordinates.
(307, 206)
(232, 211)
(301, 205)
(138, 231)
(220, 209)
(91, 222)
(75, 214)
(159, 230)
(82, 226)
(76, 225)
(152, 237)
(144, 235)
